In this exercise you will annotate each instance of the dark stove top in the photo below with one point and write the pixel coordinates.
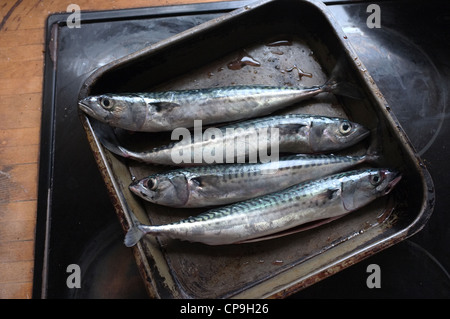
(408, 59)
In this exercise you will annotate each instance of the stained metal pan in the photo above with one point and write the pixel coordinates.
(283, 37)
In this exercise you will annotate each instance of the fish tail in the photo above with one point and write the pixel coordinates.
(134, 234)
(108, 139)
(375, 148)
(342, 88)
(372, 158)
(120, 150)
(126, 153)
(338, 86)
(114, 147)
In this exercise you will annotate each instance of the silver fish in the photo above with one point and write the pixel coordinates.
(292, 133)
(228, 183)
(261, 217)
(165, 111)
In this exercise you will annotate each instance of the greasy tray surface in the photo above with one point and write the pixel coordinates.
(195, 59)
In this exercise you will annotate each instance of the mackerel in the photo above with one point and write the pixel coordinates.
(167, 110)
(262, 217)
(292, 133)
(228, 183)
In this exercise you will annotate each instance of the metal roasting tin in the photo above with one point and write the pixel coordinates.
(288, 43)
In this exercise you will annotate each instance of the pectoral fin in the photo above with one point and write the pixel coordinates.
(348, 198)
(290, 128)
(164, 106)
(204, 181)
(331, 193)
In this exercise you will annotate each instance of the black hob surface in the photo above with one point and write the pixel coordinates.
(408, 58)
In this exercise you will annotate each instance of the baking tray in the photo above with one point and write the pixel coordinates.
(279, 35)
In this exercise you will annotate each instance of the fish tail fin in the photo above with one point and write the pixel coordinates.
(134, 234)
(375, 148)
(116, 149)
(120, 150)
(338, 86)
(343, 88)
(107, 137)
(372, 158)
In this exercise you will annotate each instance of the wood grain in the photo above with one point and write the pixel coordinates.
(22, 38)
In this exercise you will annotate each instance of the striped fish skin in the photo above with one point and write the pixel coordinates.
(228, 183)
(329, 197)
(165, 111)
(297, 133)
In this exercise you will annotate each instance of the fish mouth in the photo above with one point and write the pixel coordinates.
(363, 134)
(85, 108)
(392, 183)
(136, 188)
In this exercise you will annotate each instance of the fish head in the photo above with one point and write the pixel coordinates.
(125, 111)
(335, 134)
(367, 186)
(163, 189)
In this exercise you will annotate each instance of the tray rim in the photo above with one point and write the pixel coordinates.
(428, 189)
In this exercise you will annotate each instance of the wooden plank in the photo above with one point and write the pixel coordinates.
(21, 271)
(18, 182)
(15, 86)
(22, 53)
(19, 136)
(20, 210)
(18, 155)
(23, 37)
(18, 71)
(6, 9)
(16, 251)
(16, 290)
(17, 230)
(20, 111)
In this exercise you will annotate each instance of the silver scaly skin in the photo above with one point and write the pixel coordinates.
(261, 217)
(165, 111)
(297, 133)
(228, 183)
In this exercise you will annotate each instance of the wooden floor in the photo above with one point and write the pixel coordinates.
(22, 31)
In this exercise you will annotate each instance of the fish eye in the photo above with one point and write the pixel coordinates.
(345, 127)
(151, 184)
(375, 180)
(106, 103)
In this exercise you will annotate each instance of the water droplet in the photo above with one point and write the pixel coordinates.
(243, 59)
(301, 73)
(277, 52)
(280, 43)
